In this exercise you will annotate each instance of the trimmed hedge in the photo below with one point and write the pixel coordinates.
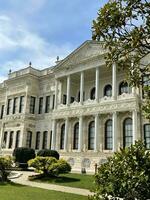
(22, 155)
(48, 153)
(49, 166)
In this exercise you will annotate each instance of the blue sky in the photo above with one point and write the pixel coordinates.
(39, 30)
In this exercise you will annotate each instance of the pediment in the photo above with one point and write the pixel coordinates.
(88, 50)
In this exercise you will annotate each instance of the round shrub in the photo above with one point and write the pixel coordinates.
(22, 155)
(49, 166)
(48, 153)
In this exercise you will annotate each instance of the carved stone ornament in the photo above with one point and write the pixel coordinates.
(86, 163)
(71, 161)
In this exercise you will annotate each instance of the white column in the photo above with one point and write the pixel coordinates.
(96, 133)
(114, 82)
(114, 131)
(56, 93)
(81, 86)
(97, 85)
(14, 140)
(48, 139)
(80, 133)
(41, 140)
(66, 134)
(2, 136)
(53, 134)
(68, 90)
(21, 139)
(135, 131)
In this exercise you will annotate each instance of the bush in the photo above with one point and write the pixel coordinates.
(5, 163)
(22, 155)
(48, 152)
(49, 166)
(126, 175)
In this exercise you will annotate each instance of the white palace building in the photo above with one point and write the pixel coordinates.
(79, 107)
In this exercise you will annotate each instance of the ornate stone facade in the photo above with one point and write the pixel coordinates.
(78, 107)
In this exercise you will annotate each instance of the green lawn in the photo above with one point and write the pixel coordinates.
(72, 180)
(19, 192)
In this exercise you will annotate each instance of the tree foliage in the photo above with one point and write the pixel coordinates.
(5, 163)
(124, 26)
(126, 175)
(49, 166)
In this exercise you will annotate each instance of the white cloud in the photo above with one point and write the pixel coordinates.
(26, 46)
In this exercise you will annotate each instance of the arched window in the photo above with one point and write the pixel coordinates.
(76, 136)
(92, 94)
(29, 139)
(37, 143)
(127, 132)
(147, 135)
(91, 135)
(108, 135)
(11, 139)
(108, 91)
(62, 137)
(123, 88)
(44, 145)
(17, 139)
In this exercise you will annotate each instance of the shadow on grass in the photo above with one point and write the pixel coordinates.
(61, 179)
(10, 183)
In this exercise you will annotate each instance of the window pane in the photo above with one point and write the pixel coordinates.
(108, 135)
(147, 135)
(62, 136)
(91, 135)
(127, 133)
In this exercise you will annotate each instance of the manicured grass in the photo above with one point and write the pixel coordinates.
(20, 192)
(72, 180)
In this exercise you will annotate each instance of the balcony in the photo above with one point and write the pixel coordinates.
(124, 102)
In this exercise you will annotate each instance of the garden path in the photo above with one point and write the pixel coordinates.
(23, 180)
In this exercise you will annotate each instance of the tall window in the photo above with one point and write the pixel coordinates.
(21, 106)
(5, 138)
(40, 105)
(9, 106)
(11, 139)
(91, 135)
(32, 105)
(92, 94)
(44, 145)
(53, 105)
(47, 104)
(50, 140)
(64, 99)
(76, 136)
(37, 143)
(123, 88)
(15, 105)
(29, 139)
(108, 90)
(2, 112)
(147, 135)
(108, 135)
(17, 139)
(127, 132)
(62, 137)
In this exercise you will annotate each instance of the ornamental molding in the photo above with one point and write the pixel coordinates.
(97, 108)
